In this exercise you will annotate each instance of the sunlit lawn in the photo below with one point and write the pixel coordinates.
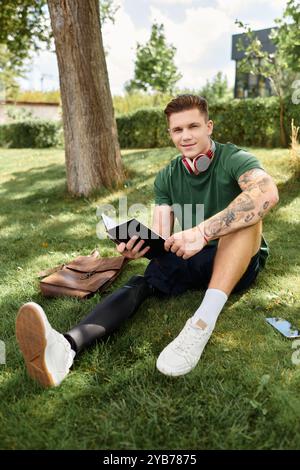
(243, 394)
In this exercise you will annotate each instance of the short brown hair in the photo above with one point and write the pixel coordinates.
(186, 102)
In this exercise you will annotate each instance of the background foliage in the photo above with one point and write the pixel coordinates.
(154, 65)
(245, 122)
(252, 122)
(35, 133)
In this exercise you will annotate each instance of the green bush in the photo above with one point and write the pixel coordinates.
(30, 134)
(250, 122)
(145, 128)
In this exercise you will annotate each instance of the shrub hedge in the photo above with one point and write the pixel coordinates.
(145, 128)
(251, 122)
(35, 133)
(248, 122)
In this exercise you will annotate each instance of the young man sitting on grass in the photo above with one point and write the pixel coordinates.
(221, 254)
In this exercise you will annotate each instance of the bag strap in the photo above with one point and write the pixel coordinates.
(49, 271)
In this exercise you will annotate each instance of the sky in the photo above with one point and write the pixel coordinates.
(201, 31)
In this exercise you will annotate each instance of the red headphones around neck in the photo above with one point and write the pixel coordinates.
(201, 162)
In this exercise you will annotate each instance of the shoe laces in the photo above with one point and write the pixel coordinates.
(188, 338)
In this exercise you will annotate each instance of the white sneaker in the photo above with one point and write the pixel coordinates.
(47, 353)
(184, 352)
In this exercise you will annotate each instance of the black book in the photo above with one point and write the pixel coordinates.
(133, 227)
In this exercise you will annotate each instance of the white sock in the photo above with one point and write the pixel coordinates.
(210, 308)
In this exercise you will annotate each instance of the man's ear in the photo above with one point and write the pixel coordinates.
(210, 126)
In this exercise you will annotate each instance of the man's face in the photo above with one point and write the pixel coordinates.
(190, 133)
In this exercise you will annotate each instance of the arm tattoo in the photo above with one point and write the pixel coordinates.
(251, 175)
(255, 179)
(262, 211)
(235, 211)
(245, 208)
(229, 217)
(249, 217)
(266, 205)
(243, 202)
(213, 228)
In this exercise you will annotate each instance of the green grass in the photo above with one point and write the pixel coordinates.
(244, 393)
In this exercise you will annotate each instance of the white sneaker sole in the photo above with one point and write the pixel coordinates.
(171, 373)
(31, 332)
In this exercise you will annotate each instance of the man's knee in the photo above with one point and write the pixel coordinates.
(245, 237)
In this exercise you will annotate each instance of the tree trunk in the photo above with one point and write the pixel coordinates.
(92, 150)
(283, 138)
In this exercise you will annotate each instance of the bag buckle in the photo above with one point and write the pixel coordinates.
(87, 275)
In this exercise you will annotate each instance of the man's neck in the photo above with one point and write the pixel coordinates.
(207, 148)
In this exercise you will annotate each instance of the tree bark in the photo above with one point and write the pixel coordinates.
(92, 152)
(283, 138)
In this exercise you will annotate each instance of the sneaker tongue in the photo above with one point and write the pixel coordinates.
(189, 335)
(200, 324)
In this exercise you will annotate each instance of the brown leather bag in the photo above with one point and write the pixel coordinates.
(82, 277)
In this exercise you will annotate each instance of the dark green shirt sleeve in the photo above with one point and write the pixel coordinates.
(239, 162)
(161, 192)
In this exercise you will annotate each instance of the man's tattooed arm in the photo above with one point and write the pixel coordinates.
(259, 194)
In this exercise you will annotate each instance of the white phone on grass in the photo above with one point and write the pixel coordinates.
(284, 327)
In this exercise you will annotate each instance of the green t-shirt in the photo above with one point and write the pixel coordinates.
(195, 198)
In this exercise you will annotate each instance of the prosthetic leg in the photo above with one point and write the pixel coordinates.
(110, 313)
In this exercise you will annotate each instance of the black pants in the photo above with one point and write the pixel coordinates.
(173, 275)
(167, 275)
